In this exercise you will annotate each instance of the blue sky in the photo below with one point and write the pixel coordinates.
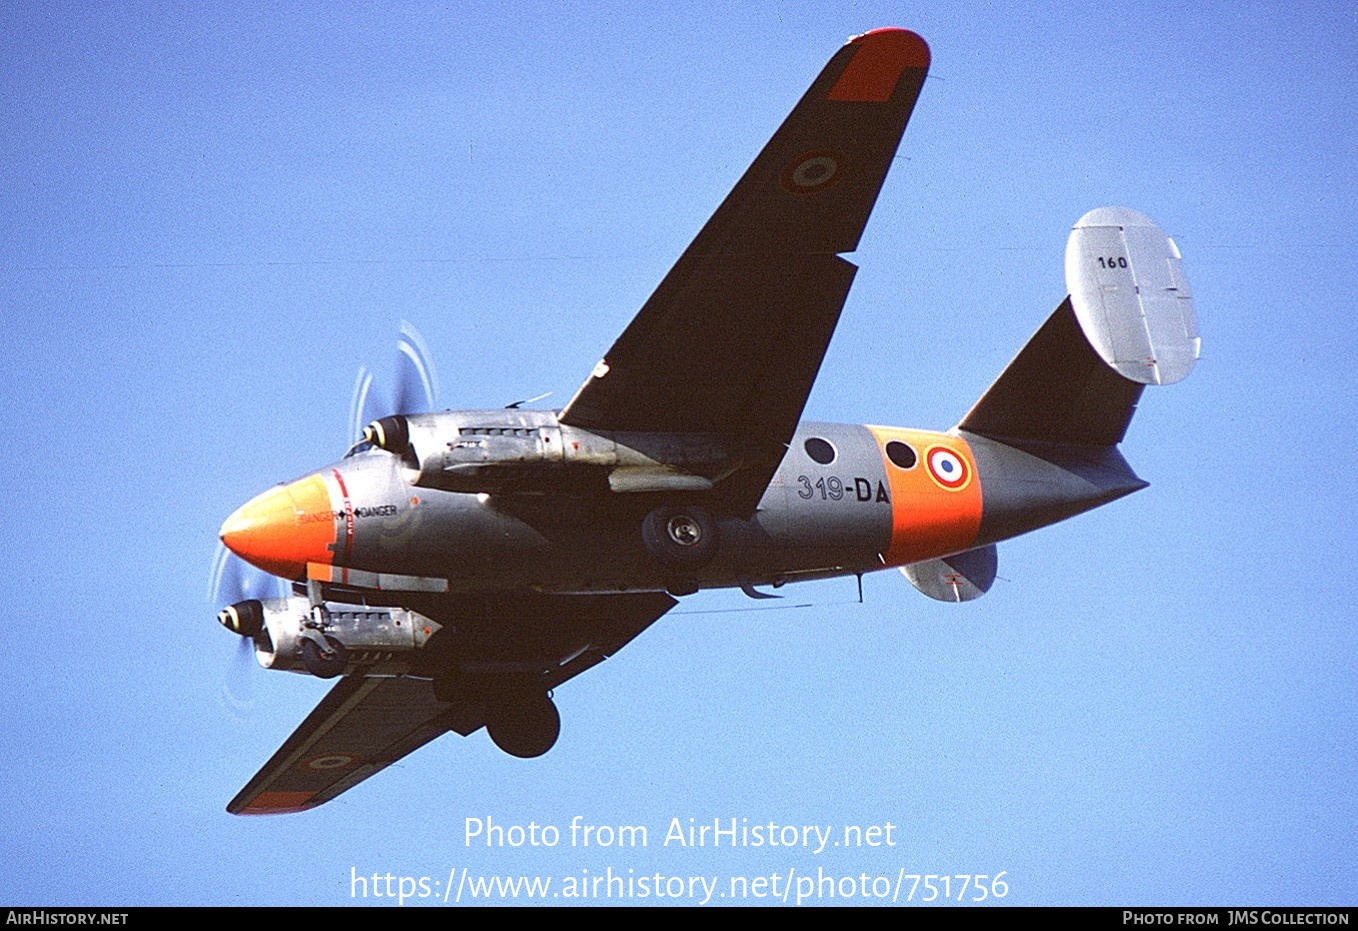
(212, 218)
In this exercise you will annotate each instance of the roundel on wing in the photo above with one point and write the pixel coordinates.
(812, 172)
(947, 468)
(330, 761)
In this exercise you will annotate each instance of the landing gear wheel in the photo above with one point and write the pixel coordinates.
(524, 726)
(324, 664)
(680, 536)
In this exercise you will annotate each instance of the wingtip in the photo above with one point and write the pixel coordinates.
(906, 47)
(876, 63)
(273, 803)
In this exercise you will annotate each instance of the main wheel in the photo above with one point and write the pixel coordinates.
(682, 537)
(524, 726)
(324, 664)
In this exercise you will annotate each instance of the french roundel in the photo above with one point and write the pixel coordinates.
(947, 468)
(812, 172)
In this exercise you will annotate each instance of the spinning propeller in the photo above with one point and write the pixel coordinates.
(416, 386)
(241, 587)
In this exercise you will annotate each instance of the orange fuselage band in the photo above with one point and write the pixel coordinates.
(936, 503)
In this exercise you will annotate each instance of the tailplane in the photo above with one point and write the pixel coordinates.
(1128, 322)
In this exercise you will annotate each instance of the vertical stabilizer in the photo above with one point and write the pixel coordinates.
(1128, 289)
(1127, 323)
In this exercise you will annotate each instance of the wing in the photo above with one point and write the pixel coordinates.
(363, 725)
(732, 339)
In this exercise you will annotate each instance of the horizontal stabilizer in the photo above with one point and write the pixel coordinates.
(960, 577)
(1057, 390)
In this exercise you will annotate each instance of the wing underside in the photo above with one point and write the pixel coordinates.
(363, 725)
(732, 339)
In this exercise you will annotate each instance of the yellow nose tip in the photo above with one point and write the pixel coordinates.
(283, 529)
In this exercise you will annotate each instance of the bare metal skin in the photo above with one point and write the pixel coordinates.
(456, 567)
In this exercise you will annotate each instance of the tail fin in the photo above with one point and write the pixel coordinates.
(1057, 390)
(1127, 323)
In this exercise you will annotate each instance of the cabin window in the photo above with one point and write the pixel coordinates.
(819, 450)
(901, 455)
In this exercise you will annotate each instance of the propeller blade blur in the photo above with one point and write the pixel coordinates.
(414, 391)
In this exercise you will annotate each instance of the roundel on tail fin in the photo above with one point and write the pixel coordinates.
(1128, 291)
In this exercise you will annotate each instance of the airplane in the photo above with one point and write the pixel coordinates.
(455, 567)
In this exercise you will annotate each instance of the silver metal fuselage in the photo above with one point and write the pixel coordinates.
(548, 519)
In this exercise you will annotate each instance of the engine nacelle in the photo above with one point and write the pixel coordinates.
(375, 641)
(490, 451)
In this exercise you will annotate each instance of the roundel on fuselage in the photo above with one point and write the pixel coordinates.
(936, 509)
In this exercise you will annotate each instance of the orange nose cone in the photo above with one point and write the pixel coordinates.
(285, 528)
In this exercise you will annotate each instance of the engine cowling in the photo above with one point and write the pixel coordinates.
(528, 450)
(375, 641)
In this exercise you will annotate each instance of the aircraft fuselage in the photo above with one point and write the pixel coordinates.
(846, 500)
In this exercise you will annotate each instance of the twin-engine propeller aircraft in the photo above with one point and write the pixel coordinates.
(456, 567)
